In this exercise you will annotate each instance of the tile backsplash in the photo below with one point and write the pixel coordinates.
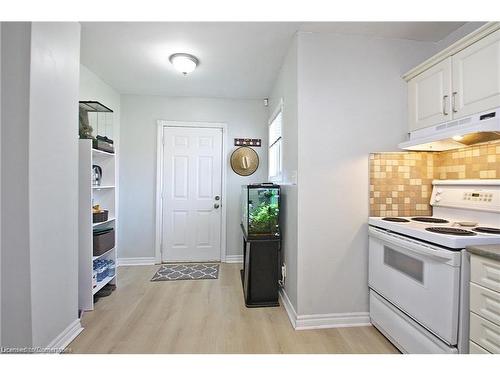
(482, 161)
(401, 182)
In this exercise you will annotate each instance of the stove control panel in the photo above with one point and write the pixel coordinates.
(478, 196)
(473, 197)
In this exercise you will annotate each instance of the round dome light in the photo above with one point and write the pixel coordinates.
(184, 62)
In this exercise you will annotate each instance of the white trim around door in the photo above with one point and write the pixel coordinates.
(159, 178)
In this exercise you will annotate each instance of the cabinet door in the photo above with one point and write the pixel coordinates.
(476, 77)
(484, 333)
(476, 349)
(485, 272)
(429, 96)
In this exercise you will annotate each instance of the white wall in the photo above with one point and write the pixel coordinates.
(39, 181)
(285, 89)
(0, 184)
(352, 101)
(16, 290)
(456, 35)
(138, 132)
(53, 178)
(94, 88)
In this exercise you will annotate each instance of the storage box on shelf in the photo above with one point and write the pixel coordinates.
(97, 254)
(100, 217)
(103, 240)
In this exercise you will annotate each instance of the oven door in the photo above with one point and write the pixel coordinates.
(420, 279)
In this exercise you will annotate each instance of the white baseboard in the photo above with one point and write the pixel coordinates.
(292, 314)
(234, 259)
(336, 320)
(147, 261)
(323, 321)
(138, 261)
(66, 336)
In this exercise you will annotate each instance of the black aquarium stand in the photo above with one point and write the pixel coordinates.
(260, 273)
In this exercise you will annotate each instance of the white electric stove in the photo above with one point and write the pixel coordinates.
(445, 231)
(419, 269)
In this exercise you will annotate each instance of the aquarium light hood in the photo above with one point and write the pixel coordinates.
(478, 128)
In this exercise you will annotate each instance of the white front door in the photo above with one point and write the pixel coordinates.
(192, 180)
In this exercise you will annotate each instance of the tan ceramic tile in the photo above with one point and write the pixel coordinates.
(404, 178)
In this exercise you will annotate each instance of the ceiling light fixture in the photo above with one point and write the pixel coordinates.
(184, 62)
(457, 137)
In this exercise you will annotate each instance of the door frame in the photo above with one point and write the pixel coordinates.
(162, 124)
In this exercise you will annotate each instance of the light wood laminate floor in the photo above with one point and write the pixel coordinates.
(204, 316)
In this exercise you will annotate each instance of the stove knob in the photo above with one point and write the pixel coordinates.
(439, 191)
(437, 199)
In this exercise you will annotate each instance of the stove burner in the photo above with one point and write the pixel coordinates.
(430, 220)
(487, 230)
(396, 219)
(451, 231)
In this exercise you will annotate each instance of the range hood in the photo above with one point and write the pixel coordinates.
(479, 128)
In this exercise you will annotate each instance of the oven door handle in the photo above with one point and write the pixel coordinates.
(409, 246)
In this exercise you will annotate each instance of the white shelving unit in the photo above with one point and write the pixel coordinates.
(102, 283)
(105, 196)
(103, 222)
(95, 257)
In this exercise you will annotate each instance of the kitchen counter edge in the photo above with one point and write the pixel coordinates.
(488, 251)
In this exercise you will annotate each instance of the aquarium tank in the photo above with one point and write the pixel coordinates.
(260, 211)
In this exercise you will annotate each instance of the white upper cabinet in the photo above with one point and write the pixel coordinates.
(476, 77)
(459, 81)
(429, 96)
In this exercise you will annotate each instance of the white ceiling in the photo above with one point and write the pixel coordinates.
(422, 31)
(237, 60)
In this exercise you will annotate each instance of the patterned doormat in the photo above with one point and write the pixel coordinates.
(187, 271)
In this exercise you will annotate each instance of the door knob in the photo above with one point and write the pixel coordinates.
(216, 205)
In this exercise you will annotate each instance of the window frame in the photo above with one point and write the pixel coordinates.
(277, 111)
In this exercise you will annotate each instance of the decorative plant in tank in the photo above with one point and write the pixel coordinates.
(264, 218)
(85, 130)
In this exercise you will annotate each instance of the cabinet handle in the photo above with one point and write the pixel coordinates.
(445, 97)
(453, 102)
